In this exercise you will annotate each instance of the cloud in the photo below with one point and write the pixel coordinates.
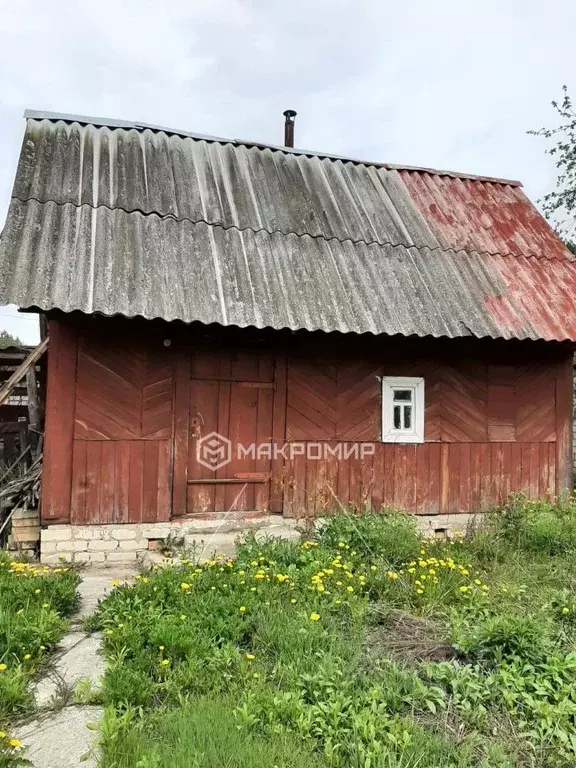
(443, 84)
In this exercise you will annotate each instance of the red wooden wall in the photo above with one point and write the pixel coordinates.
(125, 412)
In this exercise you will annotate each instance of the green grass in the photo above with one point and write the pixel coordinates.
(34, 603)
(360, 648)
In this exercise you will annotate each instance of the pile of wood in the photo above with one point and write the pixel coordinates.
(20, 480)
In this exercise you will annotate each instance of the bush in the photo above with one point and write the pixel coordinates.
(538, 526)
(503, 638)
(390, 537)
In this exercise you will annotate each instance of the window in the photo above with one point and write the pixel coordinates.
(402, 409)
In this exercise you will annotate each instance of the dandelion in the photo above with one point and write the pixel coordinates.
(373, 568)
(182, 616)
(419, 591)
(293, 600)
(45, 605)
(350, 589)
(565, 610)
(256, 675)
(464, 589)
(314, 617)
(184, 586)
(2, 734)
(14, 743)
(165, 662)
(27, 656)
(392, 575)
(242, 609)
(3, 667)
(36, 591)
(250, 656)
(161, 647)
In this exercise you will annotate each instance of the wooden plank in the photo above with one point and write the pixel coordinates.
(534, 470)
(34, 410)
(464, 504)
(150, 483)
(108, 482)
(388, 491)
(264, 418)
(163, 496)
(181, 432)
(515, 467)
(564, 395)
(136, 482)
(378, 485)
(78, 502)
(20, 372)
(444, 476)
(94, 482)
(122, 485)
(224, 395)
(525, 468)
(59, 429)
(433, 501)
(278, 435)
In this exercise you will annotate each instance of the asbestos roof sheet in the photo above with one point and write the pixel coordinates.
(142, 221)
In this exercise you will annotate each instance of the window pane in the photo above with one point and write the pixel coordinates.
(403, 395)
(397, 419)
(407, 417)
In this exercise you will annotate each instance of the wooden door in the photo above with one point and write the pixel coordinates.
(231, 403)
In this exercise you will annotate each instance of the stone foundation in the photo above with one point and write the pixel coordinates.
(144, 542)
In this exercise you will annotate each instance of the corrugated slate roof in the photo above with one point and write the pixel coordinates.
(119, 218)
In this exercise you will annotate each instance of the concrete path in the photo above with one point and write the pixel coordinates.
(58, 737)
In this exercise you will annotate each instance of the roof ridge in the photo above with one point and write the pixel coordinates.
(104, 122)
(221, 225)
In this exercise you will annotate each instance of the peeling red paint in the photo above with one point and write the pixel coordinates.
(488, 217)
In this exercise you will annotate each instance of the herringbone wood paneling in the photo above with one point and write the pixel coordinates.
(123, 393)
(536, 404)
(333, 401)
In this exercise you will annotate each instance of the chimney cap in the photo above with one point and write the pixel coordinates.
(289, 113)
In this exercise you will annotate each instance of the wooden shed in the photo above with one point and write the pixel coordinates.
(265, 330)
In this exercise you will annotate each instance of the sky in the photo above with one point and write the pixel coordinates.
(446, 84)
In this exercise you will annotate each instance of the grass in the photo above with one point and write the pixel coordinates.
(34, 603)
(363, 647)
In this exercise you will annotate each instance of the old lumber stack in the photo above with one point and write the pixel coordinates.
(20, 477)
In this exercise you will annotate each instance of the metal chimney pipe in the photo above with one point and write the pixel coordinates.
(289, 114)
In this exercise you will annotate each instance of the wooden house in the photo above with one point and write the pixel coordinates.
(261, 330)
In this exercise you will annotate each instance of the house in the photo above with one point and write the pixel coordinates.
(253, 330)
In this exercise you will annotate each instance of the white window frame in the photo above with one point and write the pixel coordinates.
(389, 433)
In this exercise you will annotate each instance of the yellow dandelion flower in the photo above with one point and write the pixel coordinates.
(27, 656)
(165, 662)
(464, 589)
(565, 610)
(373, 568)
(293, 600)
(350, 589)
(3, 667)
(14, 743)
(184, 586)
(242, 609)
(314, 617)
(250, 656)
(419, 591)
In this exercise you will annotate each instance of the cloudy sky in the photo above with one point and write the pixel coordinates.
(436, 84)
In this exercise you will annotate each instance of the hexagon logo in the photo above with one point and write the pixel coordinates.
(213, 451)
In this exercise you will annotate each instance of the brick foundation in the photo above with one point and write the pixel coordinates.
(144, 542)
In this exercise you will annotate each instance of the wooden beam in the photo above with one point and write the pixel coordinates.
(36, 353)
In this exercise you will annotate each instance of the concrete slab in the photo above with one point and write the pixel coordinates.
(97, 582)
(61, 739)
(80, 660)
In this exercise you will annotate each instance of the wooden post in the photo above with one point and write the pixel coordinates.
(34, 416)
(564, 395)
